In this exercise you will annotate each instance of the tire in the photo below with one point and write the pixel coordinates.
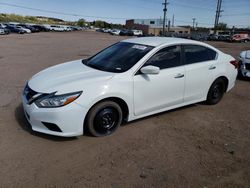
(216, 92)
(104, 118)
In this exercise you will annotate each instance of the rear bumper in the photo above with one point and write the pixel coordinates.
(69, 119)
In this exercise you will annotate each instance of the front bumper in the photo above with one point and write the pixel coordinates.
(69, 118)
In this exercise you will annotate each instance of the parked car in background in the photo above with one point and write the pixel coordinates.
(212, 37)
(31, 28)
(25, 29)
(225, 38)
(244, 64)
(57, 28)
(240, 38)
(14, 29)
(75, 28)
(137, 32)
(129, 80)
(126, 32)
(4, 30)
(40, 28)
(115, 32)
(199, 37)
(66, 28)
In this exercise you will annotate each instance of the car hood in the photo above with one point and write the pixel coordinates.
(67, 77)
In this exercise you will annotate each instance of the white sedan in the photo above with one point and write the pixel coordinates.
(131, 79)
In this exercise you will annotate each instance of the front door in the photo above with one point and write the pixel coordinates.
(153, 92)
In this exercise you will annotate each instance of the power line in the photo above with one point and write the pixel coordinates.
(61, 13)
(192, 7)
(240, 14)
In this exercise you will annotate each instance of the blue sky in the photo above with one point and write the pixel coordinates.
(236, 12)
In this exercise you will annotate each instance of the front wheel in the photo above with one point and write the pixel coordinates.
(216, 92)
(104, 118)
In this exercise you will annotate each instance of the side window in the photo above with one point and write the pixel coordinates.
(166, 58)
(196, 54)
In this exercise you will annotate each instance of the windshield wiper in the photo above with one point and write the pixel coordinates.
(94, 67)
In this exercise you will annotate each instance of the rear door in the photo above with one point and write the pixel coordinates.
(200, 67)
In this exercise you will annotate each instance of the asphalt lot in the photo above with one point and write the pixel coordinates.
(194, 146)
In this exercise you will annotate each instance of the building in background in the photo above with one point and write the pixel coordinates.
(154, 26)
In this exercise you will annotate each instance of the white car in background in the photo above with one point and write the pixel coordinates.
(24, 29)
(137, 32)
(2, 32)
(115, 32)
(66, 28)
(244, 64)
(57, 28)
(131, 79)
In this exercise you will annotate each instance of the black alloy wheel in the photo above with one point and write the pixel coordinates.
(216, 91)
(104, 118)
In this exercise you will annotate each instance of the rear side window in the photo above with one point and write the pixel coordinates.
(166, 58)
(196, 54)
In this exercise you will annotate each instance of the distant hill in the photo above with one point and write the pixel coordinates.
(30, 19)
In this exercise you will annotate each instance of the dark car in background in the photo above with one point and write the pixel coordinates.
(199, 37)
(31, 28)
(126, 32)
(224, 38)
(14, 29)
(41, 28)
(212, 37)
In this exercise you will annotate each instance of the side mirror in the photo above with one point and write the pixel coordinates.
(150, 70)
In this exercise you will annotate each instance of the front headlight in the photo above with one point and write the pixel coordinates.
(53, 101)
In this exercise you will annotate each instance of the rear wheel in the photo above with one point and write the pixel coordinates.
(216, 92)
(104, 118)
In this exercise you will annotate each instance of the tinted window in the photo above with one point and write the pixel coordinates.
(195, 54)
(119, 57)
(166, 58)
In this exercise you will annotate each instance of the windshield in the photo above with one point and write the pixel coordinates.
(119, 57)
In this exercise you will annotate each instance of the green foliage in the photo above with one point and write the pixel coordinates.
(81, 22)
(23, 19)
(44, 20)
(221, 26)
(103, 24)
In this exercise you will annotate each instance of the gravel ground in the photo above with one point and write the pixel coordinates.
(194, 146)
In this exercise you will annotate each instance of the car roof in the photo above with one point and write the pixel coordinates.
(157, 41)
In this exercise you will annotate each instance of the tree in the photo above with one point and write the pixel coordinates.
(99, 23)
(81, 22)
(221, 26)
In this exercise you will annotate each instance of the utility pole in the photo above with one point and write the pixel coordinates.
(173, 21)
(193, 21)
(164, 17)
(217, 15)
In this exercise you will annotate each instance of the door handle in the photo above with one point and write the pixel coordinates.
(212, 67)
(179, 76)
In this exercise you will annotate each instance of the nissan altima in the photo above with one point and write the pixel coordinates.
(131, 79)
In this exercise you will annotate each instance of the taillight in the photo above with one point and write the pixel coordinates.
(235, 63)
